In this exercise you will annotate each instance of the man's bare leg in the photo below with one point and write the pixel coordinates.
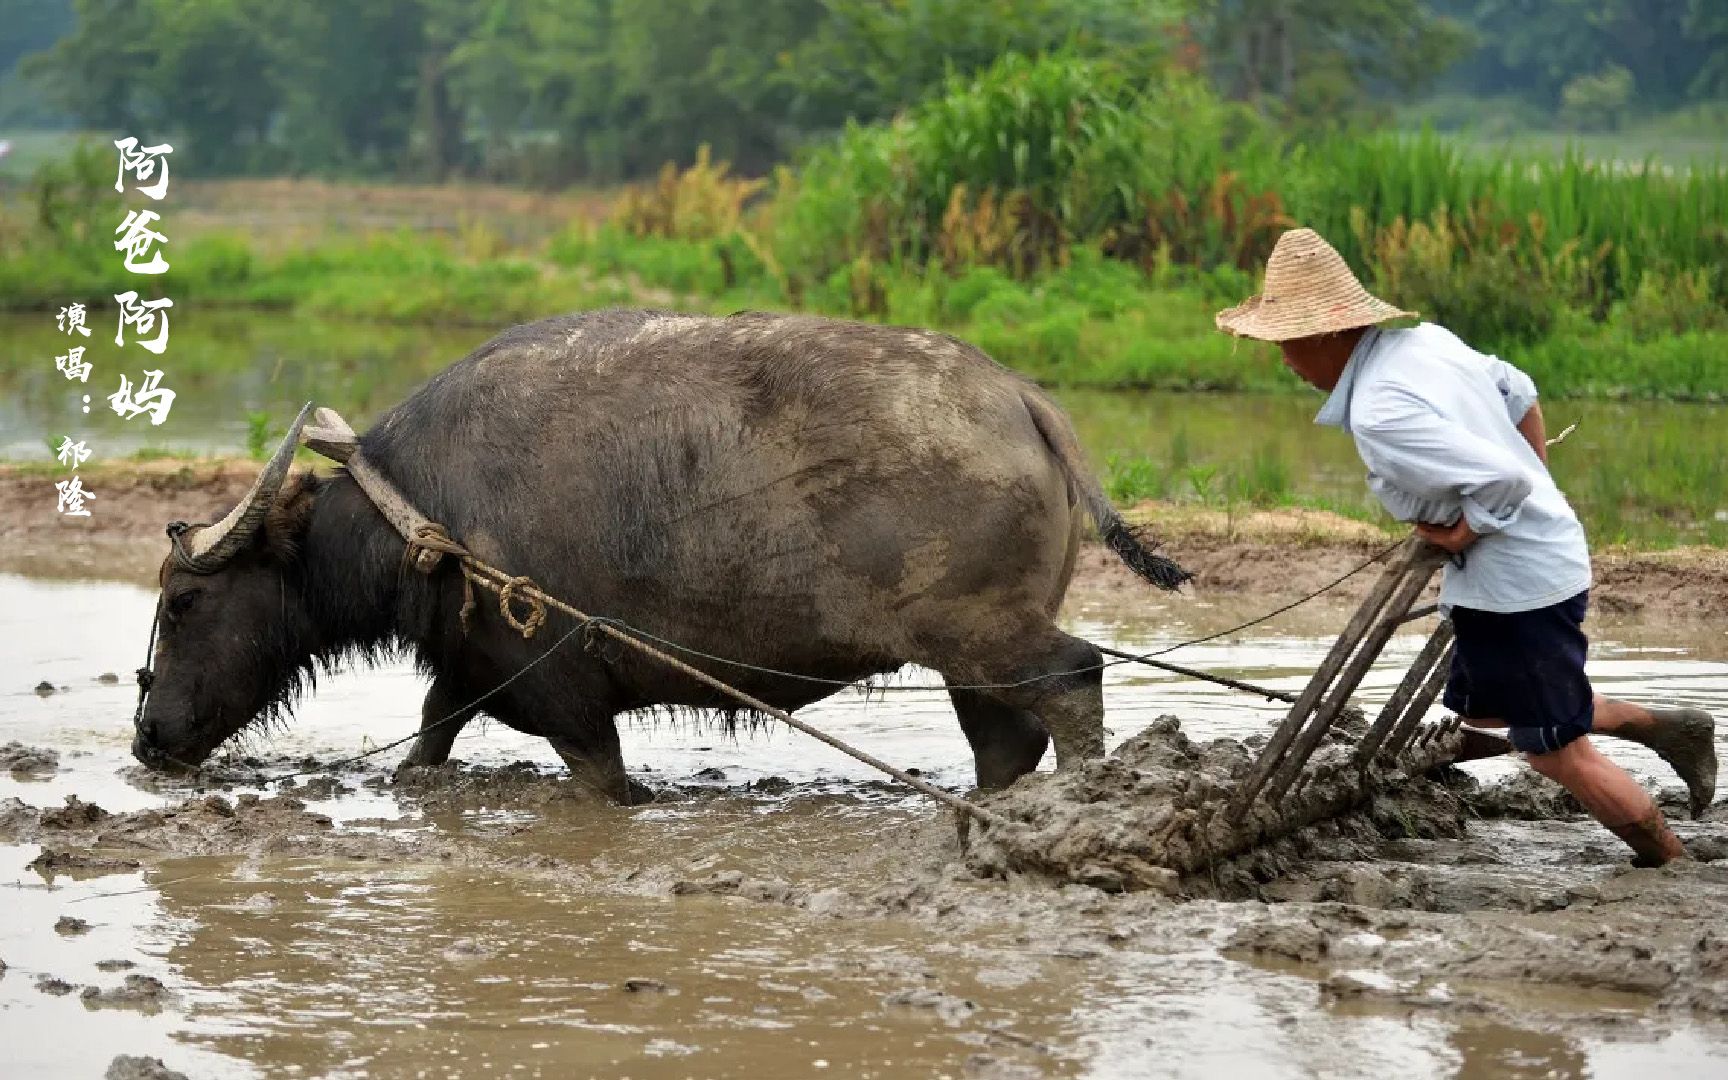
(1684, 738)
(1613, 798)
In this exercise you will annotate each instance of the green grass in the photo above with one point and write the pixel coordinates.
(1096, 322)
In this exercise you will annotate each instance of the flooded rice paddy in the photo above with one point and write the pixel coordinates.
(783, 914)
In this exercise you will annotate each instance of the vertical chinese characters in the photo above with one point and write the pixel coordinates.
(69, 493)
(71, 496)
(140, 245)
(71, 320)
(140, 242)
(72, 365)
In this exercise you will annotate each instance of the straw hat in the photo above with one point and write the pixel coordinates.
(1309, 291)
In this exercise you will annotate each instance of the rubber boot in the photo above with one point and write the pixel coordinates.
(1686, 740)
(1652, 842)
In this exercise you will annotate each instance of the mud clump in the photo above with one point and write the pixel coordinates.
(324, 788)
(212, 824)
(1708, 848)
(128, 1067)
(734, 883)
(19, 821)
(1152, 816)
(950, 1008)
(54, 862)
(76, 814)
(142, 992)
(1647, 948)
(519, 785)
(17, 758)
(1526, 795)
(209, 825)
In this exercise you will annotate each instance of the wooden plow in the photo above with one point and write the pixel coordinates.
(1174, 816)
(1285, 789)
(1389, 605)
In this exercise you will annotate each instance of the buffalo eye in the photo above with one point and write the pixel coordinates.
(180, 603)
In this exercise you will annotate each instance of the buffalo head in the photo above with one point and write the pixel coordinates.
(232, 624)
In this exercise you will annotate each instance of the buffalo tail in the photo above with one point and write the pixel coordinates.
(1132, 545)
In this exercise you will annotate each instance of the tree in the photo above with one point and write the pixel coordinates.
(347, 75)
(1535, 48)
(1707, 24)
(870, 58)
(27, 26)
(630, 84)
(1315, 60)
(1598, 102)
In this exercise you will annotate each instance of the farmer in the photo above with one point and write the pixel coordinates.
(1454, 443)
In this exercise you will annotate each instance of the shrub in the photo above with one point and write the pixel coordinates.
(1598, 102)
(699, 203)
(1029, 162)
(1682, 302)
(1460, 277)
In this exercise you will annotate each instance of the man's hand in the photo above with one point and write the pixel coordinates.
(1454, 537)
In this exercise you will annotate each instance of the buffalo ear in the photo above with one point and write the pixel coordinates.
(291, 515)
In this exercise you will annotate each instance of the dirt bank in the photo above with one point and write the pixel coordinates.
(1256, 556)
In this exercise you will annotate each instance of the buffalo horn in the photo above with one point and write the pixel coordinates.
(209, 549)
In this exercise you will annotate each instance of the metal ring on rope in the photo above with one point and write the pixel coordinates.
(536, 605)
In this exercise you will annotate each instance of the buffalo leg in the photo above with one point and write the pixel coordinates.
(596, 762)
(1056, 677)
(1007, 743)
(442, 718)
(572, 709)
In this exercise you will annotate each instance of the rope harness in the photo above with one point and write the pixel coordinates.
(146, 675)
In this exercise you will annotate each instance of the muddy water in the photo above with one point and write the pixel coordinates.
(499, 932)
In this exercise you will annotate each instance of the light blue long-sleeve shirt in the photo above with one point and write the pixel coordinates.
(1436, 422)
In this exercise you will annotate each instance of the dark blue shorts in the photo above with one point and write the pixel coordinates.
(1525, 668)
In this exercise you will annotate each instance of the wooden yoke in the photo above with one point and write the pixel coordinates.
(330, 435)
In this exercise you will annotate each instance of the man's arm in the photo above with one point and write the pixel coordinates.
(1519, 392)
(1533, 431)
(1415, 449)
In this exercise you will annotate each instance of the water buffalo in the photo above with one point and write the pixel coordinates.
(820, 497)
